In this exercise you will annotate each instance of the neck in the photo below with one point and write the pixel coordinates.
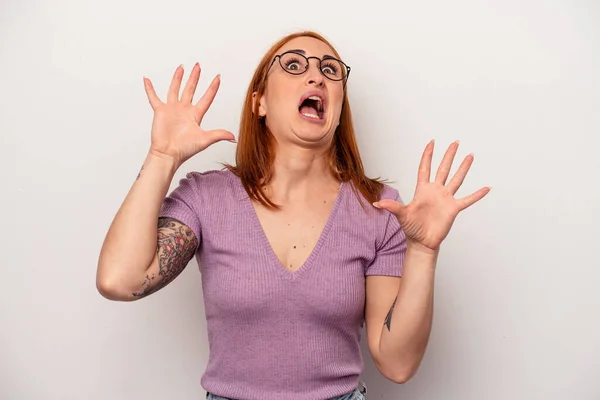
(300, 172)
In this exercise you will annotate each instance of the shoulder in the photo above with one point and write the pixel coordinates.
(210, 178)
(212, 186)
(388, 192)
(375, 223)
(359, 207)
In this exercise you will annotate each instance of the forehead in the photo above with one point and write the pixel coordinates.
(312, 47)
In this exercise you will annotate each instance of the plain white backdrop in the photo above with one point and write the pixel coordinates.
(517, 312)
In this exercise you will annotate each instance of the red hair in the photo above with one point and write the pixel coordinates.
(256, 146)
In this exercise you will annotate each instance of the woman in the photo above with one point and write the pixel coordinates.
(297, 247)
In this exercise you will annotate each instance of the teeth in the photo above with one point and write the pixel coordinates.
(319, 102)
(311, 115)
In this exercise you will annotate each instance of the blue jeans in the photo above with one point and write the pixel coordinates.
(357, 394)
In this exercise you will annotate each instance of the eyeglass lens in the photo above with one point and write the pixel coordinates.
(297, 64)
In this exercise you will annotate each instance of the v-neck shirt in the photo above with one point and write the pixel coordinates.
(321, 238)
(273, 333)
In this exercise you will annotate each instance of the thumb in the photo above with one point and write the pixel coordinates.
(220, 134)
(390, 205)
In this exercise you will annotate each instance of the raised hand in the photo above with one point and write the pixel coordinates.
(427, 219)
(176, 130)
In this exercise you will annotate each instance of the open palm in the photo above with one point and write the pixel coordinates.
(428, 218)
(176, 130)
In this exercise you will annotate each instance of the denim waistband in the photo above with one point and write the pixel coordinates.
(357, 394)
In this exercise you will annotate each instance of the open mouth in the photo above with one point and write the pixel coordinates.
(312, 107)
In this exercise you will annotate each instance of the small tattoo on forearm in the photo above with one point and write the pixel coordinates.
(140, 173)
(146, 287)
(388, 318)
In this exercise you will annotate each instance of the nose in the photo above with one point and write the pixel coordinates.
(314, 75)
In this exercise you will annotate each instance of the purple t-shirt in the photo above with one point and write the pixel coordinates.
(275, 334)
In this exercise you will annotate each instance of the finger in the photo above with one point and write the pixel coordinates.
(173, 94)
(444, 169)
(471, 199)
(152, 97)
(390, 205)
(191, 85)
(218, 135)
(207, 98)
(425, 165)
(459, 177)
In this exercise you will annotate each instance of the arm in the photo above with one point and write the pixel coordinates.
(132, 262)
(177, 244)
(426, 221)
(400, 313)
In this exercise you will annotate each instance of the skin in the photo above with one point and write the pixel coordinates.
(302, 183)
(176, 246)
(301, 145)
(399, 348)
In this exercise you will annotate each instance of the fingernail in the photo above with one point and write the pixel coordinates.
(376, 205)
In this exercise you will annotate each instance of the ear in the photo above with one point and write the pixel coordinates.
(261, 107)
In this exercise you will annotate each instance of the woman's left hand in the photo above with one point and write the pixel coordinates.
(427, 219)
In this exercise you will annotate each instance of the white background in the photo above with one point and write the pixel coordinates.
(517, 301)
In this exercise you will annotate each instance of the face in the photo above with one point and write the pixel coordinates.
(303, 109)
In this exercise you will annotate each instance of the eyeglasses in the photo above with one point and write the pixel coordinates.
(295, 63)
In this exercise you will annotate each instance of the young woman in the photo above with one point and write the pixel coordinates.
(296, 246)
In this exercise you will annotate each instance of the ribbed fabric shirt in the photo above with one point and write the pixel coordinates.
(276, 334)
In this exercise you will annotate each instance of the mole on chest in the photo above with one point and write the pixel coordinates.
(294, 231)
(293, 243)
(293, 236)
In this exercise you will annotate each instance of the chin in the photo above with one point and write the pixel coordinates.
(312, 136)
(312, 131)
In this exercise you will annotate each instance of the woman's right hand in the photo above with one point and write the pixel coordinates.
(176, 130)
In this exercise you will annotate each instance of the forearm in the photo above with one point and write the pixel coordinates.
(131, 241)
(407, 326)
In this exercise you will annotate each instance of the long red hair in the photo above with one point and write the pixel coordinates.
(256, 145)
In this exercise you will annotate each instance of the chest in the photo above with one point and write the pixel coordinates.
(294, 231)
(243, 254)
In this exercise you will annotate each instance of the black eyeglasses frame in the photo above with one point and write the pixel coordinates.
(278, 56)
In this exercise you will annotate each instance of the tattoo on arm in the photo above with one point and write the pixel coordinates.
(388, 318)
(177, 244)
(140, 173)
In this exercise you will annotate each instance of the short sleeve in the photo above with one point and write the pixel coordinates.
(182, 204)
(391, 249)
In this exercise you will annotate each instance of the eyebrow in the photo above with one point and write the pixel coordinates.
(300, 51)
